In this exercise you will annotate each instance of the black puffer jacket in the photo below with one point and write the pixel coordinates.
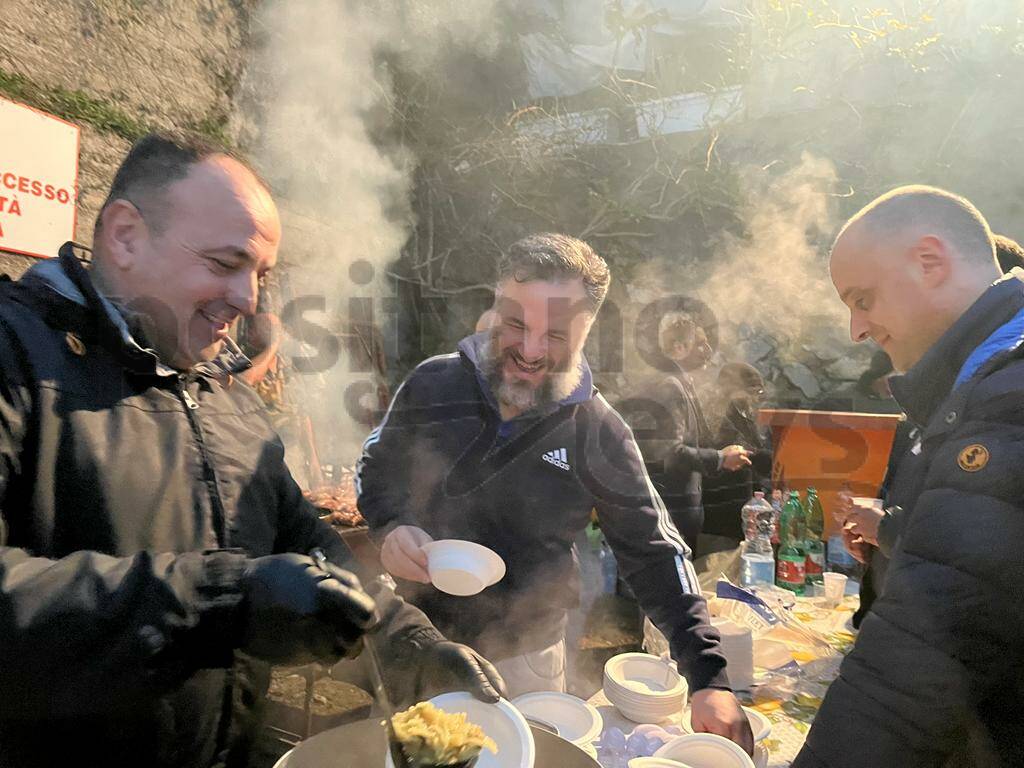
(937, 673)
(130, 500)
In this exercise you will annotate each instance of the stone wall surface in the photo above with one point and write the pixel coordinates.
(120, 68)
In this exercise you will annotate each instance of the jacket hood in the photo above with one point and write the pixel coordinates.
(473, 348)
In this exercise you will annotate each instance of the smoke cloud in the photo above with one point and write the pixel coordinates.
(774, 276)
(318, 104)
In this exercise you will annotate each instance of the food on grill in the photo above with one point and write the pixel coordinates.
(336, 504)
(431, 738)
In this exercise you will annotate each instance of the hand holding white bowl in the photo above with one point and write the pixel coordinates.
(403, 556)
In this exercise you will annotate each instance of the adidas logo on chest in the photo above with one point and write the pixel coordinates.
(557, 458)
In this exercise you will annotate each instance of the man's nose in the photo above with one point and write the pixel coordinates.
(244, 293)
(860, 329)
(535, 346)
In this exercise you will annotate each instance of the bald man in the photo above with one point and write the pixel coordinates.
(937, 673)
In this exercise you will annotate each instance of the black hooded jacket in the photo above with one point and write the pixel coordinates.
(131, 497)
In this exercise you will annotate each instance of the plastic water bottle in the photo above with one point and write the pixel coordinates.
(758, 567)
(757, 562)
(754, 513)
(609, 569)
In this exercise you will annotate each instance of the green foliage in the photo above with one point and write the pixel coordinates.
(79, 107)
(73, 105)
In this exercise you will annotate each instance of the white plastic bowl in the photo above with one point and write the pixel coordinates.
(645, 675)
(656, 762)
(462, 568)
(644, 688)
(705, 750)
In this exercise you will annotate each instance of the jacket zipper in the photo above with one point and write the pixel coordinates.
(209, 475)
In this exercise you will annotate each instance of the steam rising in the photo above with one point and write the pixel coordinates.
(319, 101)
(775, 276)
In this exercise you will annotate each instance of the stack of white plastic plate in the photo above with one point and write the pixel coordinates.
(644, 688)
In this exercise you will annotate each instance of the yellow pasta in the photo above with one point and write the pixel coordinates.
(433, 737)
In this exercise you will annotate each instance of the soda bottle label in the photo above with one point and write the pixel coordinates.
(815, 564)
(791, 573)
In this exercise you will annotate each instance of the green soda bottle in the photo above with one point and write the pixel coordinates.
(791, 568)
(815, 544)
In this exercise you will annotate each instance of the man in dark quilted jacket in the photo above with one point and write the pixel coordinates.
(937, 673)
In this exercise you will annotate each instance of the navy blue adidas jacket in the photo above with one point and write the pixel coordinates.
(443, 460)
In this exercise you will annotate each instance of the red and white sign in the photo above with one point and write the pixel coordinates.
(38, 180)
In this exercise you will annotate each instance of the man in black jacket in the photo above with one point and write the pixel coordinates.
(740, 391)
(937, 672)
(150, 528)
(508, 444)
(674, 435)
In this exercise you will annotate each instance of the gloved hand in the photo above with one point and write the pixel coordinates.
(447, 666)
(297, 611)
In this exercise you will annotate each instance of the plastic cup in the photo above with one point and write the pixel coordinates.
(867, 501)
(835, 587)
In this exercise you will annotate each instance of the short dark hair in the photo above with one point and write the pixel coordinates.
(737, 375)
(550, 256)
(1009, 253)
(156, 161)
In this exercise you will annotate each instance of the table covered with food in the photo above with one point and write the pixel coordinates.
(639, 718)
(788, 660)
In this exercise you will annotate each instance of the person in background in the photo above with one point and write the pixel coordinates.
(508, 444)
(869, 394)
(937, 672)
(674, 436)
(153, 545)
(740, 390)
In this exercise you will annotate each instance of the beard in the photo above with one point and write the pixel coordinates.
(522, 395)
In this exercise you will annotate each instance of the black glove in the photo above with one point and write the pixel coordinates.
(447, 666)
(297, 610)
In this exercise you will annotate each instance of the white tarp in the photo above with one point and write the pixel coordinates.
(576, 49)
(558, 68)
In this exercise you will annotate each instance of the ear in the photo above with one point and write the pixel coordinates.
(933, 259)
(123, 233)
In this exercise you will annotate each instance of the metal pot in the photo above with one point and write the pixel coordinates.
(363, 744)
(555, 752)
